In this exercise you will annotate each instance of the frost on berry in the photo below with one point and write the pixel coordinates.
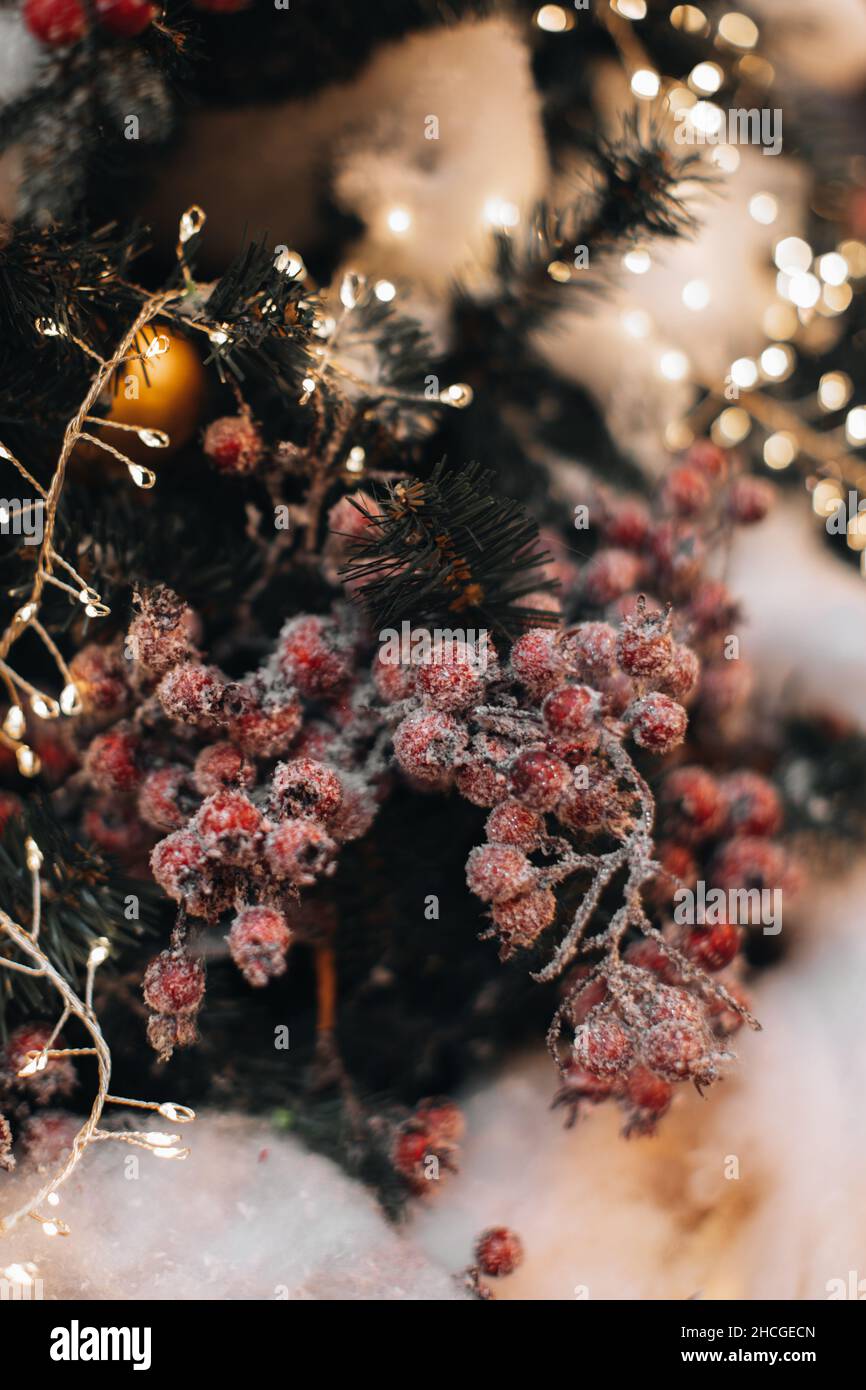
(427, 744)
(610, 574)
(536, 660)
(538, 780)
(230, 827)
(482, 776)
(657, 722)
(497, 872)
(311, 656)
(113, 761)
(167, 798)
(513, 823)
(100, 676)
(173, 988)
(258, 941)
(222, 765)
(299, 851)
(603, 1047)
(752, 804)
(182, 870)
(233, 444)
(645, 646)
(590, 649)
(498, 1251)
(193, 694)
(263, 722)
(520, 921)
(694, 803)
(451, 679)
(305, 787)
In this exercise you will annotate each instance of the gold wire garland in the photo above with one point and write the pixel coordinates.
(161, 1144)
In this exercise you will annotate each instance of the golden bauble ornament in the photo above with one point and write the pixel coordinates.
(165, 391)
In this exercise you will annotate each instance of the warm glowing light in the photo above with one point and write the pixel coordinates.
(780, 449)
(836, 298)
(15, 723)
(833, 269)
(792, 253)
(356, 459)
(499, 212)
(706, 77)
(689, 19)
(764, 208)
(399, 220)
(637, 323)
(673, 365)
(804, 290)
(559, 271)
(696, 294)
(706, 117)
(744, 373)
(28, 762)
(857, 531)
(834, 390)
(154, 439)
(553, 19)
(645, 83)
(458, 394)
(855, 425)
(291, 264)
(629, 9)
(738, 30)
(777, 362)
(70, 701)
(678, 435)
(731, 427)
(637, 261)
(780, 321)
(855, 257)
(727, 158)
(142, 477)
(384, 291)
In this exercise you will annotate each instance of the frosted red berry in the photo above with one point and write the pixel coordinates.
(180, 867)
(677, 1050)
(258, 941)
(603, 1047)
(305, 787)
(520, 921)
(644, 646)
(267, 725)
(713, 947)
(687, 490)
(750, 499)
(193, 694)
(311, 658)
(682, 673)
(610, 574)
(513, 823)
(481, 777)
(539, 780)
(590, 648)
(299, 851)
(451, 679)
(99, 675)
(230, 826)
(57, 1077)
(657, 722)
(222, 765)
(752, 804)
(163, 632)
(428, 743)
(394, 680)
(749, 861)
(570, 709)
(442, 1119)
(536, 660)
(174, 983)
(233, 443)
(167, 798)
(647, 1091)
(497, 872)
(725, 687)
(709, 458)
(694, 804)
(126, 18)
(626, 522)
(678, 552)
(498, 1251)
(55, 22)
(113, 761)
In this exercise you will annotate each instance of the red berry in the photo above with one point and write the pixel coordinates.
(258, 941)
(657, 722)
(591, 649)
(678, 1050)
(481, 778)
(497, 872)
(310, 657)
(694, 804)
(647, 954)
(99, 675)
(682, 673)
(193, 694)
(753, 805)
(648, 1091)
(10, 805)
(57, 1077)
(536, 660)
(498, 1251)
(47, 1137)
(230, 827)
(519, 921)
(232, 443)
(173, 983)
(55, 22)
(709, 458)
(686, 491)
(679, 556)
(180, 867)
(570, 709)
(165, 1032)
(712, 608)
(394, 680)
(610, 574)
(305, 787)
(585, 808)
(127, 18)
(451, 680)
(725, 687)
(162, 635)
(222, 765)
(112, 761)
(357, 809)
(428, 743)
(712, 948)
(412, 1147)
(512, 823)
(603, 1047)
(586, 1000)
(266, 724)
(113, 825)
(617, 693)
(539, 780)
(645, 646)
(299, 850)
(750, 862)
(442, 1119)
(750, 499)
(167, 798)
(670, 1004)
(626, 522)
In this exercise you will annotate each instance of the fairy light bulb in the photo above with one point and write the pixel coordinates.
(28, 761)
(638, 261)
(15, 722)
(290, 263)
(142, 477)
(159, 1140)
(738, 30)
(629, 9)
(458, 395)
(399, 221)
(763, 208)
(70, 700)
(673, 365)
(706, 77)
(355, 461)
(833, 268)
(384, 291)
(857, 532)
(26, 613)
(696, 295)
(636, 323)
(158, 346)
(170, 1153)
(44, 707)
(792, 254)
(834, 392)
(560, 271)
(36, 1064)
(553, 19)
(177, 1114)
(855, 425)
(804, 290)
(744, 373)
(777, 361)
(50, 1228)
(727, 158)
(780, 449)
(826, 496)
(645, 83)
(154, 439)
(499, 212)
(689, 19)
(731, 427)
(191, 223)
(98, 952)
(33, 855)
(707, 118)
(350, 288)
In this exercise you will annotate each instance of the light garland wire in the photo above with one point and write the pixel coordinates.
(156, 1142)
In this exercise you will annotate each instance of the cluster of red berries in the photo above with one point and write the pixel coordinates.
(257, 781)
(426, 1143)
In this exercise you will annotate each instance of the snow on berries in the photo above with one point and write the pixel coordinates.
(233, 444)
(657, 722)
(258, 941)
(497, 872)
(538, 780)
(312, 657)
(230, 827)
(520, 921)
(113, 762)
(173, 987)
(299, 851)
(427, 744)
(498, 1251)
(193, 694)
(305, 787)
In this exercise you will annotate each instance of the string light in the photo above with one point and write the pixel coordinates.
(763, 208)
(629, 9)
(804, 290)
(833, 268)
(38, 965)
(674, 365)
(645, 83)
(696, 295)
(780, 449)
(637, 323)
(826, 496)
(384, 291)
(637, 261)
(399, 220)
(355, 461)
(777, 362)
(834, 390)
(689, 19)
(553, 19)
(855, 425)
(706, 77)
(291, 264)
(499, 212)
(738, 30)
(744, 373)
(731, 427)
